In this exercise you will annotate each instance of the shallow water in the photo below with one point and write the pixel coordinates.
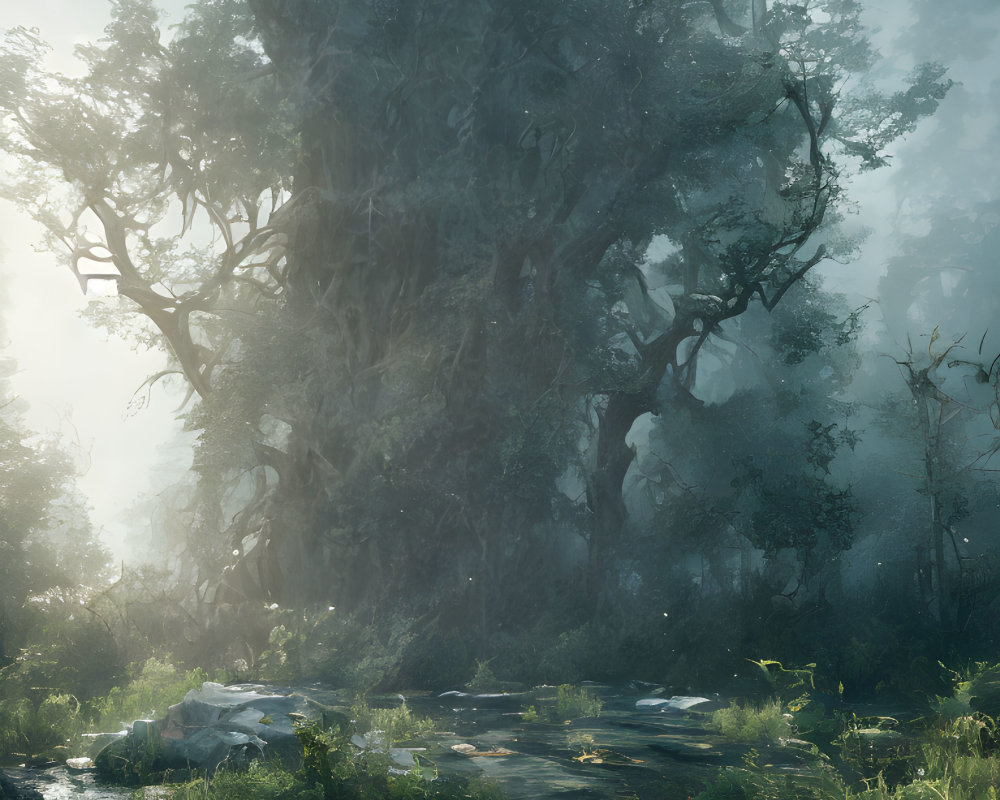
(57, 783)
(623, 751)
(646, 752)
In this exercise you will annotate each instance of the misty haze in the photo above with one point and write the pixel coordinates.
(500, 399)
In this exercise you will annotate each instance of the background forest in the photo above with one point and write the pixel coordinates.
(506, 341)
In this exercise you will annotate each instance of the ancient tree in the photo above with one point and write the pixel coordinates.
(413, 289)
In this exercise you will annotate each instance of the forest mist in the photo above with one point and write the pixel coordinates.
(619, 341)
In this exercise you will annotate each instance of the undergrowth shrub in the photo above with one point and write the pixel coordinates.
(261, 781)
(153, 688)
(950, 758)
(570, 703)
(764, 724)
(573, 703)
(962, 752)
(37, 730)
(484, 679)
(754, 783)
(330, 764)
(335, 648)
(64, 655)
(396, 726)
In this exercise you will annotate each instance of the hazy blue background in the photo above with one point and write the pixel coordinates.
(79, 383)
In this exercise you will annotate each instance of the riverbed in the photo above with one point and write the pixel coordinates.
(637, 746)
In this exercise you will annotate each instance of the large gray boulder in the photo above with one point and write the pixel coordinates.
(211, 726)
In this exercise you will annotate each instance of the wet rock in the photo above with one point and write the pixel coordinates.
(675, 703)
(212, 725)
(98, 741)
(375, 742)
(511, 701)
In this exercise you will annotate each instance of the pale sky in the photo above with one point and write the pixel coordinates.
(78, 381)
(880, 202)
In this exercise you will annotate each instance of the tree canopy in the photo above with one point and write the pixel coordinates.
(425, 264)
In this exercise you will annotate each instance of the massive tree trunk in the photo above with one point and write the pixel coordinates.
(468, 175)
(443, 155)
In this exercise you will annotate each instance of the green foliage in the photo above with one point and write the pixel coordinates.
(951, 757)
(326, 758)
(484, 678)
(802, 509)
(761, 784)
(804, 514)
(802, 327)
(897, 114)
(260, 781)
(35, 730)
(508, 164)
(397, 726)
(872, 744)
(963, 749)
(975, 689)
(334, 647)
(331, 766)
(785, 684)
(573, 702)
(282, 661)
(796, 689)
(766, 724)
(754, 783)
(54, 653)
(154, 686)
(924, 789)
(570, 656)
(63, 653)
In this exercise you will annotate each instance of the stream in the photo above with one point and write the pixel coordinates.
(644, 751)
(58, 783)
(625, 750)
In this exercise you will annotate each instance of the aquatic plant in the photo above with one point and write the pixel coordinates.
(332, 769)
(573, 702)
(951, 759)
(397, 726)
(764, 724)
(331, 764)
(785, 683)
(484, 678)
(570, 703)
(261, 781)
(756, 782)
